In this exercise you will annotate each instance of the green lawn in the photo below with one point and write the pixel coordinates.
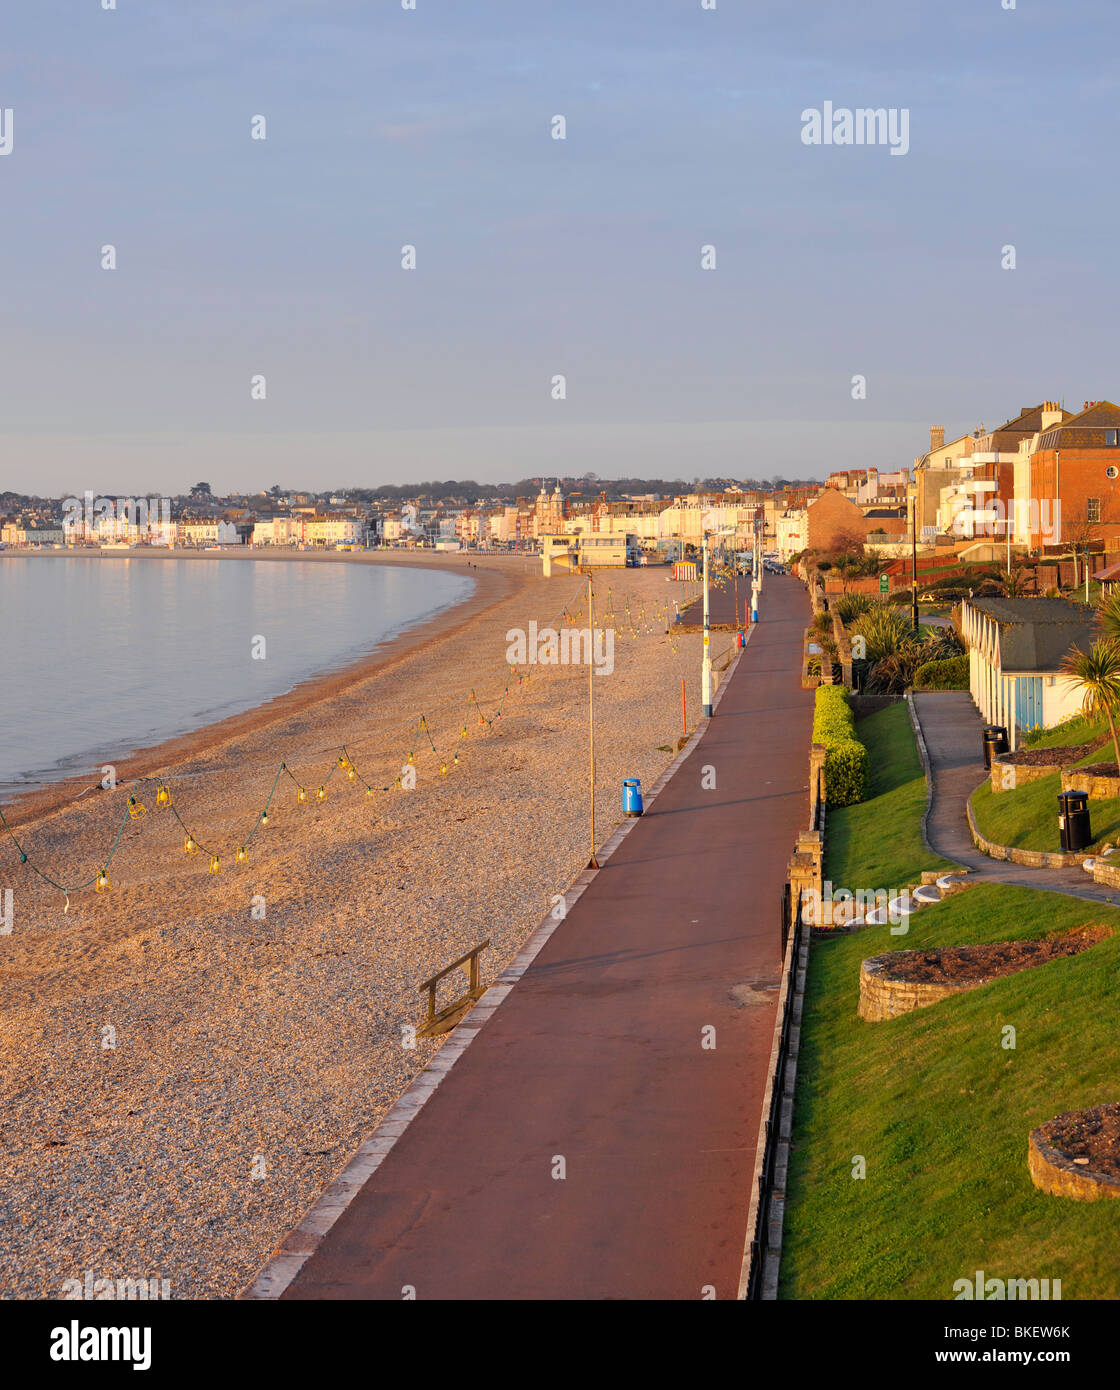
(878, 843)
(1027, 817)
(940, 1111)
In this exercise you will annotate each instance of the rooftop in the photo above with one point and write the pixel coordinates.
(1037, 633)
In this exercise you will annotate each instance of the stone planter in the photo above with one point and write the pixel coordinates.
(1007, 776)
(881, 997)
(1061, 1176)
(1098, 788)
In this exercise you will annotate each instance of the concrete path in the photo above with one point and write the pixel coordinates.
(952, 729)
(594, 1065)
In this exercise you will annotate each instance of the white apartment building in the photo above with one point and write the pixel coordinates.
(277, 530)
(791, 533)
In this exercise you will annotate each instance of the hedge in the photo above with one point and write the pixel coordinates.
(845, 760)
(951, 673)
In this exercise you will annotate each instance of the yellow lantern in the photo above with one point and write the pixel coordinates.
(163, 796)
(189, 845)
(135, 808)
(350, 774)
(103, 884)
(215, 864)
(321, 794)
(242, 855)
(264, 817)
(344, 762)
(301, 797)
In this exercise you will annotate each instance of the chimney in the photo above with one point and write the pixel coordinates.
(1051, 415)
(936, 437)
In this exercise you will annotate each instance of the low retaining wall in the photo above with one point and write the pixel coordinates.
(1029, 858)
(881, 997)
(1007, 776)
(1100, 788)
(1106, 871)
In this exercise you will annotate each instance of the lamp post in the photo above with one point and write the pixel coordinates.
(706, 672)
(592, 863)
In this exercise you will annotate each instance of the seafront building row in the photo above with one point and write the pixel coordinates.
(1044, 481)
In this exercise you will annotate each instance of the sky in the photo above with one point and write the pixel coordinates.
(537, 257)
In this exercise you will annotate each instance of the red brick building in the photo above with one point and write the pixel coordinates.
(1078, 463)
(834, 521)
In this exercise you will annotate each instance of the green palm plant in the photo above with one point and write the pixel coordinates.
(1096, 673)
(1108, 617)
(884, 631)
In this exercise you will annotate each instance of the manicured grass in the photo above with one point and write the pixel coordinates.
(878, 843)
(940, 1112)
(1027, 817)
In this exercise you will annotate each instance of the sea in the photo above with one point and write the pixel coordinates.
(100, 656)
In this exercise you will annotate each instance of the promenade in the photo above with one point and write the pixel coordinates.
(587, 1144)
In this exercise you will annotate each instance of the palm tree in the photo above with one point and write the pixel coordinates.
(1096, 673)
(1108, 616)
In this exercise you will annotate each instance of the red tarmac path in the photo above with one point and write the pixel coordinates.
(596, 1055)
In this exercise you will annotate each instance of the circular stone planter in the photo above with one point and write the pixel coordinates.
(1064, 1155)
(952, 883)
(926, 894)
(1096, 785)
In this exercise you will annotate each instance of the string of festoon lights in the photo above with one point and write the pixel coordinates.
(343, 765)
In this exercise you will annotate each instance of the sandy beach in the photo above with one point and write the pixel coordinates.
(251, 1056)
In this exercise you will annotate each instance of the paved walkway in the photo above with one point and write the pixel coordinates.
(953, 729)
(595, 1057)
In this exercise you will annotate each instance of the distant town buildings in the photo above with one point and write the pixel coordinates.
(1044, 483)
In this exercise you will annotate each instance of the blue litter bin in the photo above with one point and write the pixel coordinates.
(632, 796)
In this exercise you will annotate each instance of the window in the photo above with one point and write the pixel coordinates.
(1092, 509)
(1112, 437)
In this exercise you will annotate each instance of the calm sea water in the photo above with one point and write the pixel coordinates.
(102, 656)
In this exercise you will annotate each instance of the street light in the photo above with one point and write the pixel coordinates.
(706, 670)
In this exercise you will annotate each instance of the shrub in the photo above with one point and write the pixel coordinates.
(884, 631)
(850, 606)
(845, 761)
(950, 673)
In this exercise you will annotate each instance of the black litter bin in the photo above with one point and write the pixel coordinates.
(995, 741)
(1073, 821)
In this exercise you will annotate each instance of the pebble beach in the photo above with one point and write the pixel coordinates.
(190, 1059)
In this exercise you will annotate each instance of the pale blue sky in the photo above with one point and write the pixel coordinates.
(537, 256)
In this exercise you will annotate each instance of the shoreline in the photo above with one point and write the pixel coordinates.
(491, 587)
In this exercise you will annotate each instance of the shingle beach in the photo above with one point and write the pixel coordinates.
(252, 1056)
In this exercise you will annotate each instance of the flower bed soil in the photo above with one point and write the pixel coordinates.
(1043, 757)
(1088, 1134)
(956, 965)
